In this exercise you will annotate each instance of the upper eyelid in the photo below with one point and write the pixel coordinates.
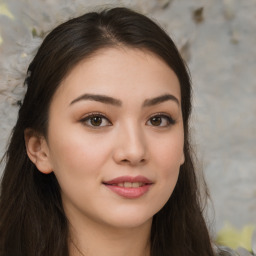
(161, 114)
(92, 114)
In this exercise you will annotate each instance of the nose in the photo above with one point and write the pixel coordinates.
(131, 146)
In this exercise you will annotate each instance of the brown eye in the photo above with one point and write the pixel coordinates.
(95, 121)
(156, 121)
(160, 121)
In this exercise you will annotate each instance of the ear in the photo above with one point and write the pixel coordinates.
(38, 151)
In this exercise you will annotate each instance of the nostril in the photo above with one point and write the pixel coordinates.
(130, 155)
(125, 161)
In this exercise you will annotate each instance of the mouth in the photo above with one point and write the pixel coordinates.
(127, 184)
(129, 187)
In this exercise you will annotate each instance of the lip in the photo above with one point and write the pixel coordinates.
(129, 192)
(122, 179)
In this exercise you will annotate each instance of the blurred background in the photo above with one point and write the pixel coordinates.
(217, 38)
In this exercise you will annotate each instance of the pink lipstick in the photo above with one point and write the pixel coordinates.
(129, 187)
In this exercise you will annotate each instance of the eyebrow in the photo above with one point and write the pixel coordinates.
(115, 102)
(160, 99)
(99, 98)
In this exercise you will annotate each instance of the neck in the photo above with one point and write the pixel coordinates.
(97, 240)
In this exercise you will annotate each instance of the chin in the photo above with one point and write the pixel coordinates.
(130, 223)
(130, 219)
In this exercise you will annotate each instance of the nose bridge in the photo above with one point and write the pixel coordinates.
(132, 146)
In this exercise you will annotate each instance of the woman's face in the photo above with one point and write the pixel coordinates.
(115, 137)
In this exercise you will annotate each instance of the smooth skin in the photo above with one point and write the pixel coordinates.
(117, 113)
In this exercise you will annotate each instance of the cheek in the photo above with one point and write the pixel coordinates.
(169, 154)
(78, 155)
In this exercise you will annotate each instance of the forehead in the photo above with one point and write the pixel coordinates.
(121, 72)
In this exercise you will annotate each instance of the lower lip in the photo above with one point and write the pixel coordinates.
(129, 192)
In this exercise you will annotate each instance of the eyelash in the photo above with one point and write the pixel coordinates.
(167, 117)
(88, 118)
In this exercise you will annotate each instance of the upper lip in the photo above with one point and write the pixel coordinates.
(131, 179)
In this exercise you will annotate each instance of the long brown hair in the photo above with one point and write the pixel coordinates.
(32, 219)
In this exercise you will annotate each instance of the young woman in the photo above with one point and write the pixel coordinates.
(99, 162)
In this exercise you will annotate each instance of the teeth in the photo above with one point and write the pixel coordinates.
(135, 184)
(130, 184)
(127, 184)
